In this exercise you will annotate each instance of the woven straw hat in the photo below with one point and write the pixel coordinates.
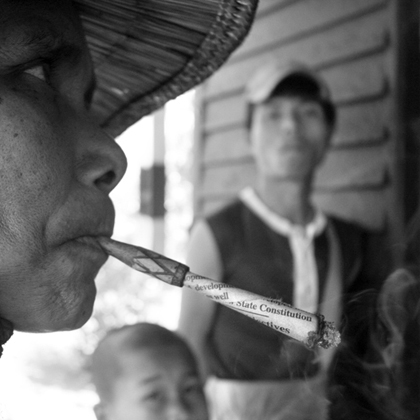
(146, 52)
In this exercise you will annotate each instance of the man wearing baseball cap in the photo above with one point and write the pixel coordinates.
(275, 242)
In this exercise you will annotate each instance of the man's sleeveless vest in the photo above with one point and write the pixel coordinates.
(257, 259)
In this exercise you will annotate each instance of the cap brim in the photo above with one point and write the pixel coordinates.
(148, 52)
(269, 76)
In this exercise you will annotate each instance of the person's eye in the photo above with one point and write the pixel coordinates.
(311, 111)
(192, 387)
(153, 397)
(40, 71)
(274, 114)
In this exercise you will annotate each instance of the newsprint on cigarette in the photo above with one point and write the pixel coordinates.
(310, 329)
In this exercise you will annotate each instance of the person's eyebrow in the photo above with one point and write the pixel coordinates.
(41, 43)
(38, 40)
(21, 48)
(148, 380)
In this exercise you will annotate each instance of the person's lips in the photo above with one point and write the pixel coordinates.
(73, 231)
(99, 221)
(85, 249)
(90, 241)
(83, 238)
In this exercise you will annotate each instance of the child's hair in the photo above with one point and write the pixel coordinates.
(106, 359)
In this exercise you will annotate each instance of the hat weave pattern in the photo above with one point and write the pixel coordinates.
(146, 52)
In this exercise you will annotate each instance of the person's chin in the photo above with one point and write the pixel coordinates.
(78, 297)
(62, 300)
(79, 319)
(67, 313)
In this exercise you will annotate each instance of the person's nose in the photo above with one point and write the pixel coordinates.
(101, 163)
(289, 123)
(179, 410)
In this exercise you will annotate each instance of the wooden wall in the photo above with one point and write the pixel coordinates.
(355, 44)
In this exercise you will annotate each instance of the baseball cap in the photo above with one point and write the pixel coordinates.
(269, 77)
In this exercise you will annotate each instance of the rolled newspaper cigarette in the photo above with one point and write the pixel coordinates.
(310, 329)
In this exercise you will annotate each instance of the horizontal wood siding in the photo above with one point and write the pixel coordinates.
(352, 44)
(356, 38)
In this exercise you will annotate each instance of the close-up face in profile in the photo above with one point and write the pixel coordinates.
(57, 168)
(157, 384)
(289, 136)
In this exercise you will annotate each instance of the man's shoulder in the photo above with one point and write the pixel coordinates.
(347, 227)
(230, 209)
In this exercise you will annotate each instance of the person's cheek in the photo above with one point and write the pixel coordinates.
(35, 157)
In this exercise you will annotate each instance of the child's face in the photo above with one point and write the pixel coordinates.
(157, 384)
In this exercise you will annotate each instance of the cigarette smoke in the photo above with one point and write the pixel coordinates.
(383, 380)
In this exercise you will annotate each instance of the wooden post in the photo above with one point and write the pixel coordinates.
(152, 184)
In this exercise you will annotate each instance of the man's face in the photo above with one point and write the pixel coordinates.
(289, 137)
(56, 169)
(156, 384)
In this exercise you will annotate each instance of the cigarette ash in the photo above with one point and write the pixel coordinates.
(377, 372)
(326, 336)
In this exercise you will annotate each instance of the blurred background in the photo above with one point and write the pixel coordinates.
(192, 157)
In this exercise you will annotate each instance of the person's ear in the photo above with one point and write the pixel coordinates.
(249, 111)
(327, 144)
(100, 411)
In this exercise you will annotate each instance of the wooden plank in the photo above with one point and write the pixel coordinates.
(364, 78)
(356, 38)
(227, 145)
(302, 19)
(224, 113)
(365, 122)
(227, 179)
(351, 81)
(342, 169)
(365, 167)
(198, 145)
(366, 207)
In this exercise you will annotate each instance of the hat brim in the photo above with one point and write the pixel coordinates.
(146, 52)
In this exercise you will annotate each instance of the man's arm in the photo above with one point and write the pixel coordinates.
(203, 258)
